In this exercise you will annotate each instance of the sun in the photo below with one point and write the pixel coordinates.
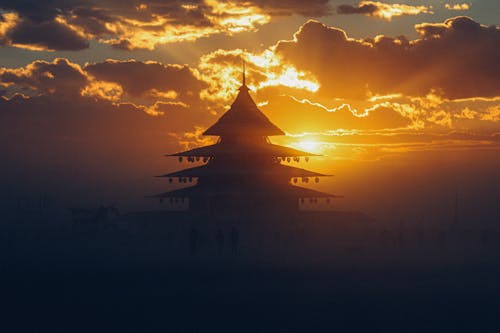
(309, 145)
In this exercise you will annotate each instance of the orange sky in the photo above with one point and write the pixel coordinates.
(371, 86)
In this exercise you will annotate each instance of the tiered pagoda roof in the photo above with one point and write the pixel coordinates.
(243, 163)
(244, 117)
(223, 148)
(198, 191)
(274, 170)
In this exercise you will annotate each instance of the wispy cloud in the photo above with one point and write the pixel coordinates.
(458, 6)
(382, 10)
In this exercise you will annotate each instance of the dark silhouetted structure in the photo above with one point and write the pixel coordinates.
(243, 170)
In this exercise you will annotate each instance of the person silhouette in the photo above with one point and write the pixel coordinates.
(219, 238)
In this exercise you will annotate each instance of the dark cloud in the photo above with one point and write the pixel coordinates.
(80, 145)
(137, 78)
(48, 35)
(149, 87)
(63, 119)
(60, 130)
(122, 44)
(91, 20)
(369, 8)
(36, 25)
(315, 8)
(39, 10)
(132, 24)
(458, 58)
(52, 24)
(40, 77)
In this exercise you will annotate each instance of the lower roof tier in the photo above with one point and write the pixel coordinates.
(274, 170)
(277, 192)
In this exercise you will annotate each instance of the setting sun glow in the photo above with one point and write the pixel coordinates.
(309, 145)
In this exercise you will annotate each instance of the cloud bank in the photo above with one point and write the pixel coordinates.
(457, 57)
(132, 24)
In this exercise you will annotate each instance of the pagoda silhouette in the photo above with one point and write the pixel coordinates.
(243, 171)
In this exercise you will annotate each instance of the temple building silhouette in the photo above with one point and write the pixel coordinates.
(243, 170)
(241, 199)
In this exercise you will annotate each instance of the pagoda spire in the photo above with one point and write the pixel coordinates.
(243, 117)
(244, 83)
(244, 76)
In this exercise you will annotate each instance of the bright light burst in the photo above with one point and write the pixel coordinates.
(235, 17)
(290, 77)
(222, 70)
(308, 145)
(226, 17)
(388, 11)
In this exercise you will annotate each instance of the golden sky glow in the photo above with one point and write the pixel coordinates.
(224, 77)
(9, 20)
(330, 91)
(389, 93)
(224, 17)
(309, 145)
(399, 100)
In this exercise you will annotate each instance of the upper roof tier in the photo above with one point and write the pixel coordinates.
(225, 149)
(243, 118)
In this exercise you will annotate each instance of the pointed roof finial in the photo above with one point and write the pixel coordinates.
(244, 78)
(244, 74)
